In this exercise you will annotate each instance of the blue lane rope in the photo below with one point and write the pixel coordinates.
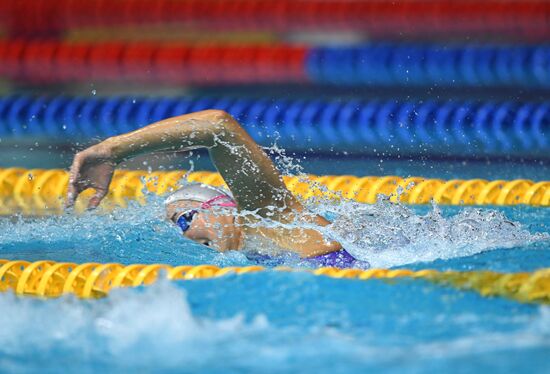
(414, 127)
(431, 64)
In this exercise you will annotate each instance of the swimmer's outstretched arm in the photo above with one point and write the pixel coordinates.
(248, 171)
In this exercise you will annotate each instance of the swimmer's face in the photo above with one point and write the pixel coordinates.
(212, 227)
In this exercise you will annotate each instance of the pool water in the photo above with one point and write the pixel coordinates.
(462, 105)
(284, 322)
(276, 322)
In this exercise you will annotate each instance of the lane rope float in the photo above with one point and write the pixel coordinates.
(175, 63)
(39, 191)
(412, 127)
(93, 280)
(380, 64)
(525, 19)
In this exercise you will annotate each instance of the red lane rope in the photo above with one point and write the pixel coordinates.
(48, 61)
(515, 18)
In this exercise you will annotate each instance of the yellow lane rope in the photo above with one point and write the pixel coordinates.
(38, 191)
(92, 280)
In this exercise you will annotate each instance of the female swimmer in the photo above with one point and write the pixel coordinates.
(206, 214)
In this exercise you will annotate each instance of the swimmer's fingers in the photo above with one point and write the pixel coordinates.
(75, 186)
(90, 169)
(72, 193)
(96, 199)
(77, 181)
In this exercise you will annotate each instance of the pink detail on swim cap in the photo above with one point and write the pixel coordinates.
(209, 204)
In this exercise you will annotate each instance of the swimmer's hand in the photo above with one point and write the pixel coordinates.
(91, 168)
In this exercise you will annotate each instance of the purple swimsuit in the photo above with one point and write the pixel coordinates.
(339, 259)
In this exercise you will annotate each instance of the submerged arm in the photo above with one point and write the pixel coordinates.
(248, 171)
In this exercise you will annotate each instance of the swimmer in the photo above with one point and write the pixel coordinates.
(206, 214)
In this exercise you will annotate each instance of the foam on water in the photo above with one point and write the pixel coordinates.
(391, 234)
(132, 326)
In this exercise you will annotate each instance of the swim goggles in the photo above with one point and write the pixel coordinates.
(184, 219)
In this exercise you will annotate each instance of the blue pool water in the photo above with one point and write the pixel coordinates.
(276, 323)
(283, 322)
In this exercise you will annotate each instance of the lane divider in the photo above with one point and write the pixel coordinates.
(93, 280)
(526, 19)
(174, 63)
(39, 191)
(412, 127)
(445, 65)
(384, 64)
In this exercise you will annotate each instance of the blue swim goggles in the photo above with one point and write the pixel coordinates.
(184, 219)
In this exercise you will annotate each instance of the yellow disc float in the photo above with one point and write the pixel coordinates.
(92, 280)
(40, 192)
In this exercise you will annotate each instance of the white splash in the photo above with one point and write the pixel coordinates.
(132, 325)
(390, 234)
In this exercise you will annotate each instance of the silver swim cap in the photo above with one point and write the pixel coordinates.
(197, 192)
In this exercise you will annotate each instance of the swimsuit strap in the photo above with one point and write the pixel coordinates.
(209, 204)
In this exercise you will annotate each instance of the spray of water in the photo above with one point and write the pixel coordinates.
(384, 234)
(391, 234)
